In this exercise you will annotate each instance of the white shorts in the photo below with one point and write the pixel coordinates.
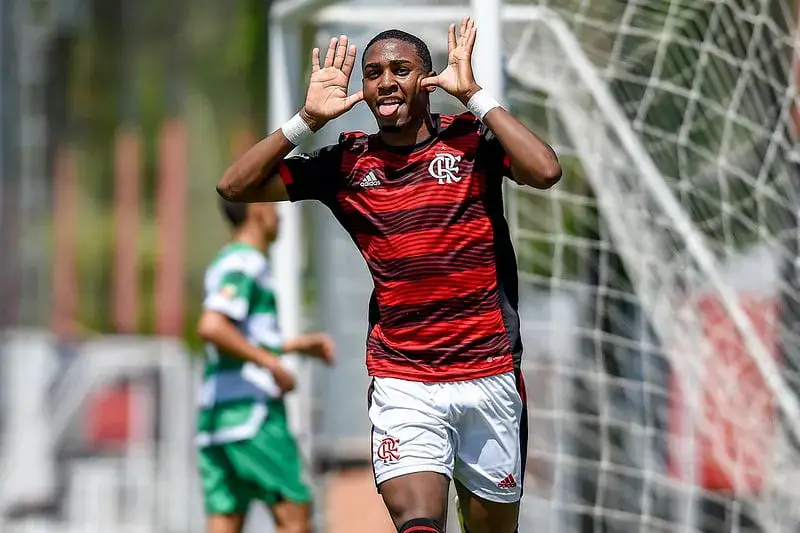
(473, 431)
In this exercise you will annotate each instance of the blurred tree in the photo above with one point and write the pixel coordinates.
(217, 80)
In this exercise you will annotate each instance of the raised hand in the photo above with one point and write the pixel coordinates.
(327, 97)
(458, 79)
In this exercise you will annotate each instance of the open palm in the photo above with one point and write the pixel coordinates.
(457, 79)
(327, 96)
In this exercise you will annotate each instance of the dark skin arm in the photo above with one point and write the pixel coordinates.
(217, 329)
(252, 178)
(533, 162)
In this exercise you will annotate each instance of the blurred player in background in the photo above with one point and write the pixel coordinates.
(246, 450)
(422, 200)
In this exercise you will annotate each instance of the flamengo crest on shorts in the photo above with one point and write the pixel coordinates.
(388, 450)
(429, 222)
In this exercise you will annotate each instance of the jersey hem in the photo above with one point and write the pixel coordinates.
(443, 375)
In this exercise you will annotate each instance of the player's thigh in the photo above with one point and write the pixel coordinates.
(417, 495)
(225, 523)
(292, 517)
(412, 448)
(492, 439)
(484, 516)
(224, 493)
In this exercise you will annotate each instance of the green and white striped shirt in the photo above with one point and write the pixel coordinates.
(236, 396)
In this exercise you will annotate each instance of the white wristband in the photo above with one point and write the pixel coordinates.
(296, 130)
(481, 103)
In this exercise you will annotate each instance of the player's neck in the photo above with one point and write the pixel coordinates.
(250, 237)
(413, 134)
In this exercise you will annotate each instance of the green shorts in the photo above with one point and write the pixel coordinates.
(267, 468)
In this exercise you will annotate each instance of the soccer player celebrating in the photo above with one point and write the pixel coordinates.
(422, 200)
(246, 450)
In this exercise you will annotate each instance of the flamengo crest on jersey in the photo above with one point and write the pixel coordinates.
(444, 167)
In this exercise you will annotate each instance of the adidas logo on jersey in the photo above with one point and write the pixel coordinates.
(370, 180)
(508, 483)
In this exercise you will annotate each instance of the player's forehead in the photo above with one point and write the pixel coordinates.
(390, 50)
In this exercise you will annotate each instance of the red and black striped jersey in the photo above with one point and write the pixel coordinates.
(429, 221)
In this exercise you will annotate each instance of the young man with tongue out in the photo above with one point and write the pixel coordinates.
(422, 200)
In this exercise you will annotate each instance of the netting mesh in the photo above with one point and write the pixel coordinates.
(674, 237)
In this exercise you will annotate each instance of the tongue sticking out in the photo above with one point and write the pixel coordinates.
(387, 110)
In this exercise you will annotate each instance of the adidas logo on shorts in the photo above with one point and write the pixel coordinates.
(508, 483)
(369, 180)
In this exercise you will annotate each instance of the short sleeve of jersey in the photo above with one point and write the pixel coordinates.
(494, 155)
(232, 295)
(314, 176)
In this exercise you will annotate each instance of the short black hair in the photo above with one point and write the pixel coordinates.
(235, 213)
(400, 35)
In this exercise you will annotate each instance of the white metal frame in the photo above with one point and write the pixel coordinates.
(284, 36)
(166, 486)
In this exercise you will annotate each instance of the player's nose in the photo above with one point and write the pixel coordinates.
(387, 83)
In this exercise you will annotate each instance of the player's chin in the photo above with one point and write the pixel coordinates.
(392, 122)
(384, 123)
(396, 121)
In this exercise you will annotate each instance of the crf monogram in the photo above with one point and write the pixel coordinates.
(444, 167)
(388, 450)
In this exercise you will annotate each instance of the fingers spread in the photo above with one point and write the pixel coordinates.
(331, 52)
(472, 35)
(349, 60)
(315, 60)
(341, 52)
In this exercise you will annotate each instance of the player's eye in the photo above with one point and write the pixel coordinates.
(402, 71)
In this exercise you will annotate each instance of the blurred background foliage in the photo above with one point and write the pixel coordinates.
(134, 65)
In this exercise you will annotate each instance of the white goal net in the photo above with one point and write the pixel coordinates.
(674, 240)
(659, 296)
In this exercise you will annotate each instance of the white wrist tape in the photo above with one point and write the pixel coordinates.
(296, 130)
(481, 103)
